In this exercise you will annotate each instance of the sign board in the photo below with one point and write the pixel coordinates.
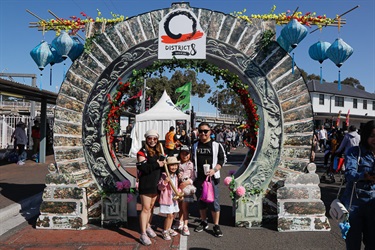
(181, 36)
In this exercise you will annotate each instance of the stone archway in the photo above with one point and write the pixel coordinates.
(82, 158)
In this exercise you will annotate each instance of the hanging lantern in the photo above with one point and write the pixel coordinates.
(57, 58)
(42, 55)
(338, 53)
(63, 44)
(284, 44)
(317, 52)
(76, 50)
(294, 33)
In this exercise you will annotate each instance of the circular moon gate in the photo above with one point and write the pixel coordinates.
(282, 98)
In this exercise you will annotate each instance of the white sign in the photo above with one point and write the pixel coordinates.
(181, 36)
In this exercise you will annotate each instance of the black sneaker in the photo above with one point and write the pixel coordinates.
(217, 231)
(202, 226)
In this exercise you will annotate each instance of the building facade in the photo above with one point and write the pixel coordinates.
(332, 106)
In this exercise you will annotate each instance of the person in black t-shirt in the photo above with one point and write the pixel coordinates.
(206, 151)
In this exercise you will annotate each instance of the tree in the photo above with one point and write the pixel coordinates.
(352, 82)
(227, 102)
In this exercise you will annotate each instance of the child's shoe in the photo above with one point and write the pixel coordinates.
(172, 232)
(166, 235)
(145, 240)
(185, 231)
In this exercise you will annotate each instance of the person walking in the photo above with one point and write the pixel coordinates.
(149, 164)
(351, 139)
(360, 173)
(322, 136)
(21, 140)
(206, 151)
(168, 202)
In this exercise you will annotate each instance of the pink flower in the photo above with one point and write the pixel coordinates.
(240, 191)
(126, 184)
(227, 180)
(130, 198)
(119, 185)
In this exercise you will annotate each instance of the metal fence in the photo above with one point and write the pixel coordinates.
(8, 125)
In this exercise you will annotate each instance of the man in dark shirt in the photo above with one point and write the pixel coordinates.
(206, 151)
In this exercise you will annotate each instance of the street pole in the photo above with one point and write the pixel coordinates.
(143, 102)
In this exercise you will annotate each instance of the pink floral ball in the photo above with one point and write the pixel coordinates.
(240, 191)
(227, 180)
(126, 184)
(119, 185)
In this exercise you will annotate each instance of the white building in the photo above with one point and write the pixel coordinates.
(329, 103)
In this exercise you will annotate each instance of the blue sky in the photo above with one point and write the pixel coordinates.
(17, 39)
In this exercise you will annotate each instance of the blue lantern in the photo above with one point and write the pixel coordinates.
(42, 55)
(284, 44)
(63, 44)
(317, 52)
(57, 58)
(76, 50)
(338, 53)
(294, 33)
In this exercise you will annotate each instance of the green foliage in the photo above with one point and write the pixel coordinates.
(267, 38)
(226, 102)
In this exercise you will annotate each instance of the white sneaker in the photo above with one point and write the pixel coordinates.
(20, 163)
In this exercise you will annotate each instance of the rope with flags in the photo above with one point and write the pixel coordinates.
(183, 101)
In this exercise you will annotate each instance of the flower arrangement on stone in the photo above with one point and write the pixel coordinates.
(120, 187)
(240, 192)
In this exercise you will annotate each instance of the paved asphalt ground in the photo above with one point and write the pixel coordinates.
(20, 196)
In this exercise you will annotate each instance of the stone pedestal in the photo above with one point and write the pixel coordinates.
(249, 213)
(114, 209)
(299, 205)
(64, 203)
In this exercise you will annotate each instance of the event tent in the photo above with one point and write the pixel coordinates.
(160, 117)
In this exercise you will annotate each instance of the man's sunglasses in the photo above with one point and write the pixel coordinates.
(205, 131)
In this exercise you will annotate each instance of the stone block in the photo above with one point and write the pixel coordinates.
(59, 179)
(305, 208)
(56, 207)
(59, 222)
(293, 193)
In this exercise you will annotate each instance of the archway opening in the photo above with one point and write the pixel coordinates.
(119, 97)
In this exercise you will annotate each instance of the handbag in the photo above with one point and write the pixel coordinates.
(207, 191)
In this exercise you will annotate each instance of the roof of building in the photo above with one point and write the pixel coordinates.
(331, 88)
(27, 92)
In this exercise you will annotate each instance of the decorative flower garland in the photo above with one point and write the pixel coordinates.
(232, 80)
(74, 24)
(307, 19)
(121, 187)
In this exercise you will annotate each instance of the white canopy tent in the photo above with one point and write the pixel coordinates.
(160, 117)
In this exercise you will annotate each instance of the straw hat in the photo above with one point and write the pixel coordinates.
(172, 160)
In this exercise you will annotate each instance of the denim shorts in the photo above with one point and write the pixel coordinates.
(214, 206)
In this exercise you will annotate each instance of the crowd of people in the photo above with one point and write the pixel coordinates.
(358, 150)
(175, 177)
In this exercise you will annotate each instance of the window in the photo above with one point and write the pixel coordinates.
(339, 101)
(321, 99)
(364, 104)
(355, 103)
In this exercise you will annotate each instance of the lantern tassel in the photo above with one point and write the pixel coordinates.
(64, 72)
(50, 76)
(293, 63)
(321, 75)
(41, 81)
(339, 82)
